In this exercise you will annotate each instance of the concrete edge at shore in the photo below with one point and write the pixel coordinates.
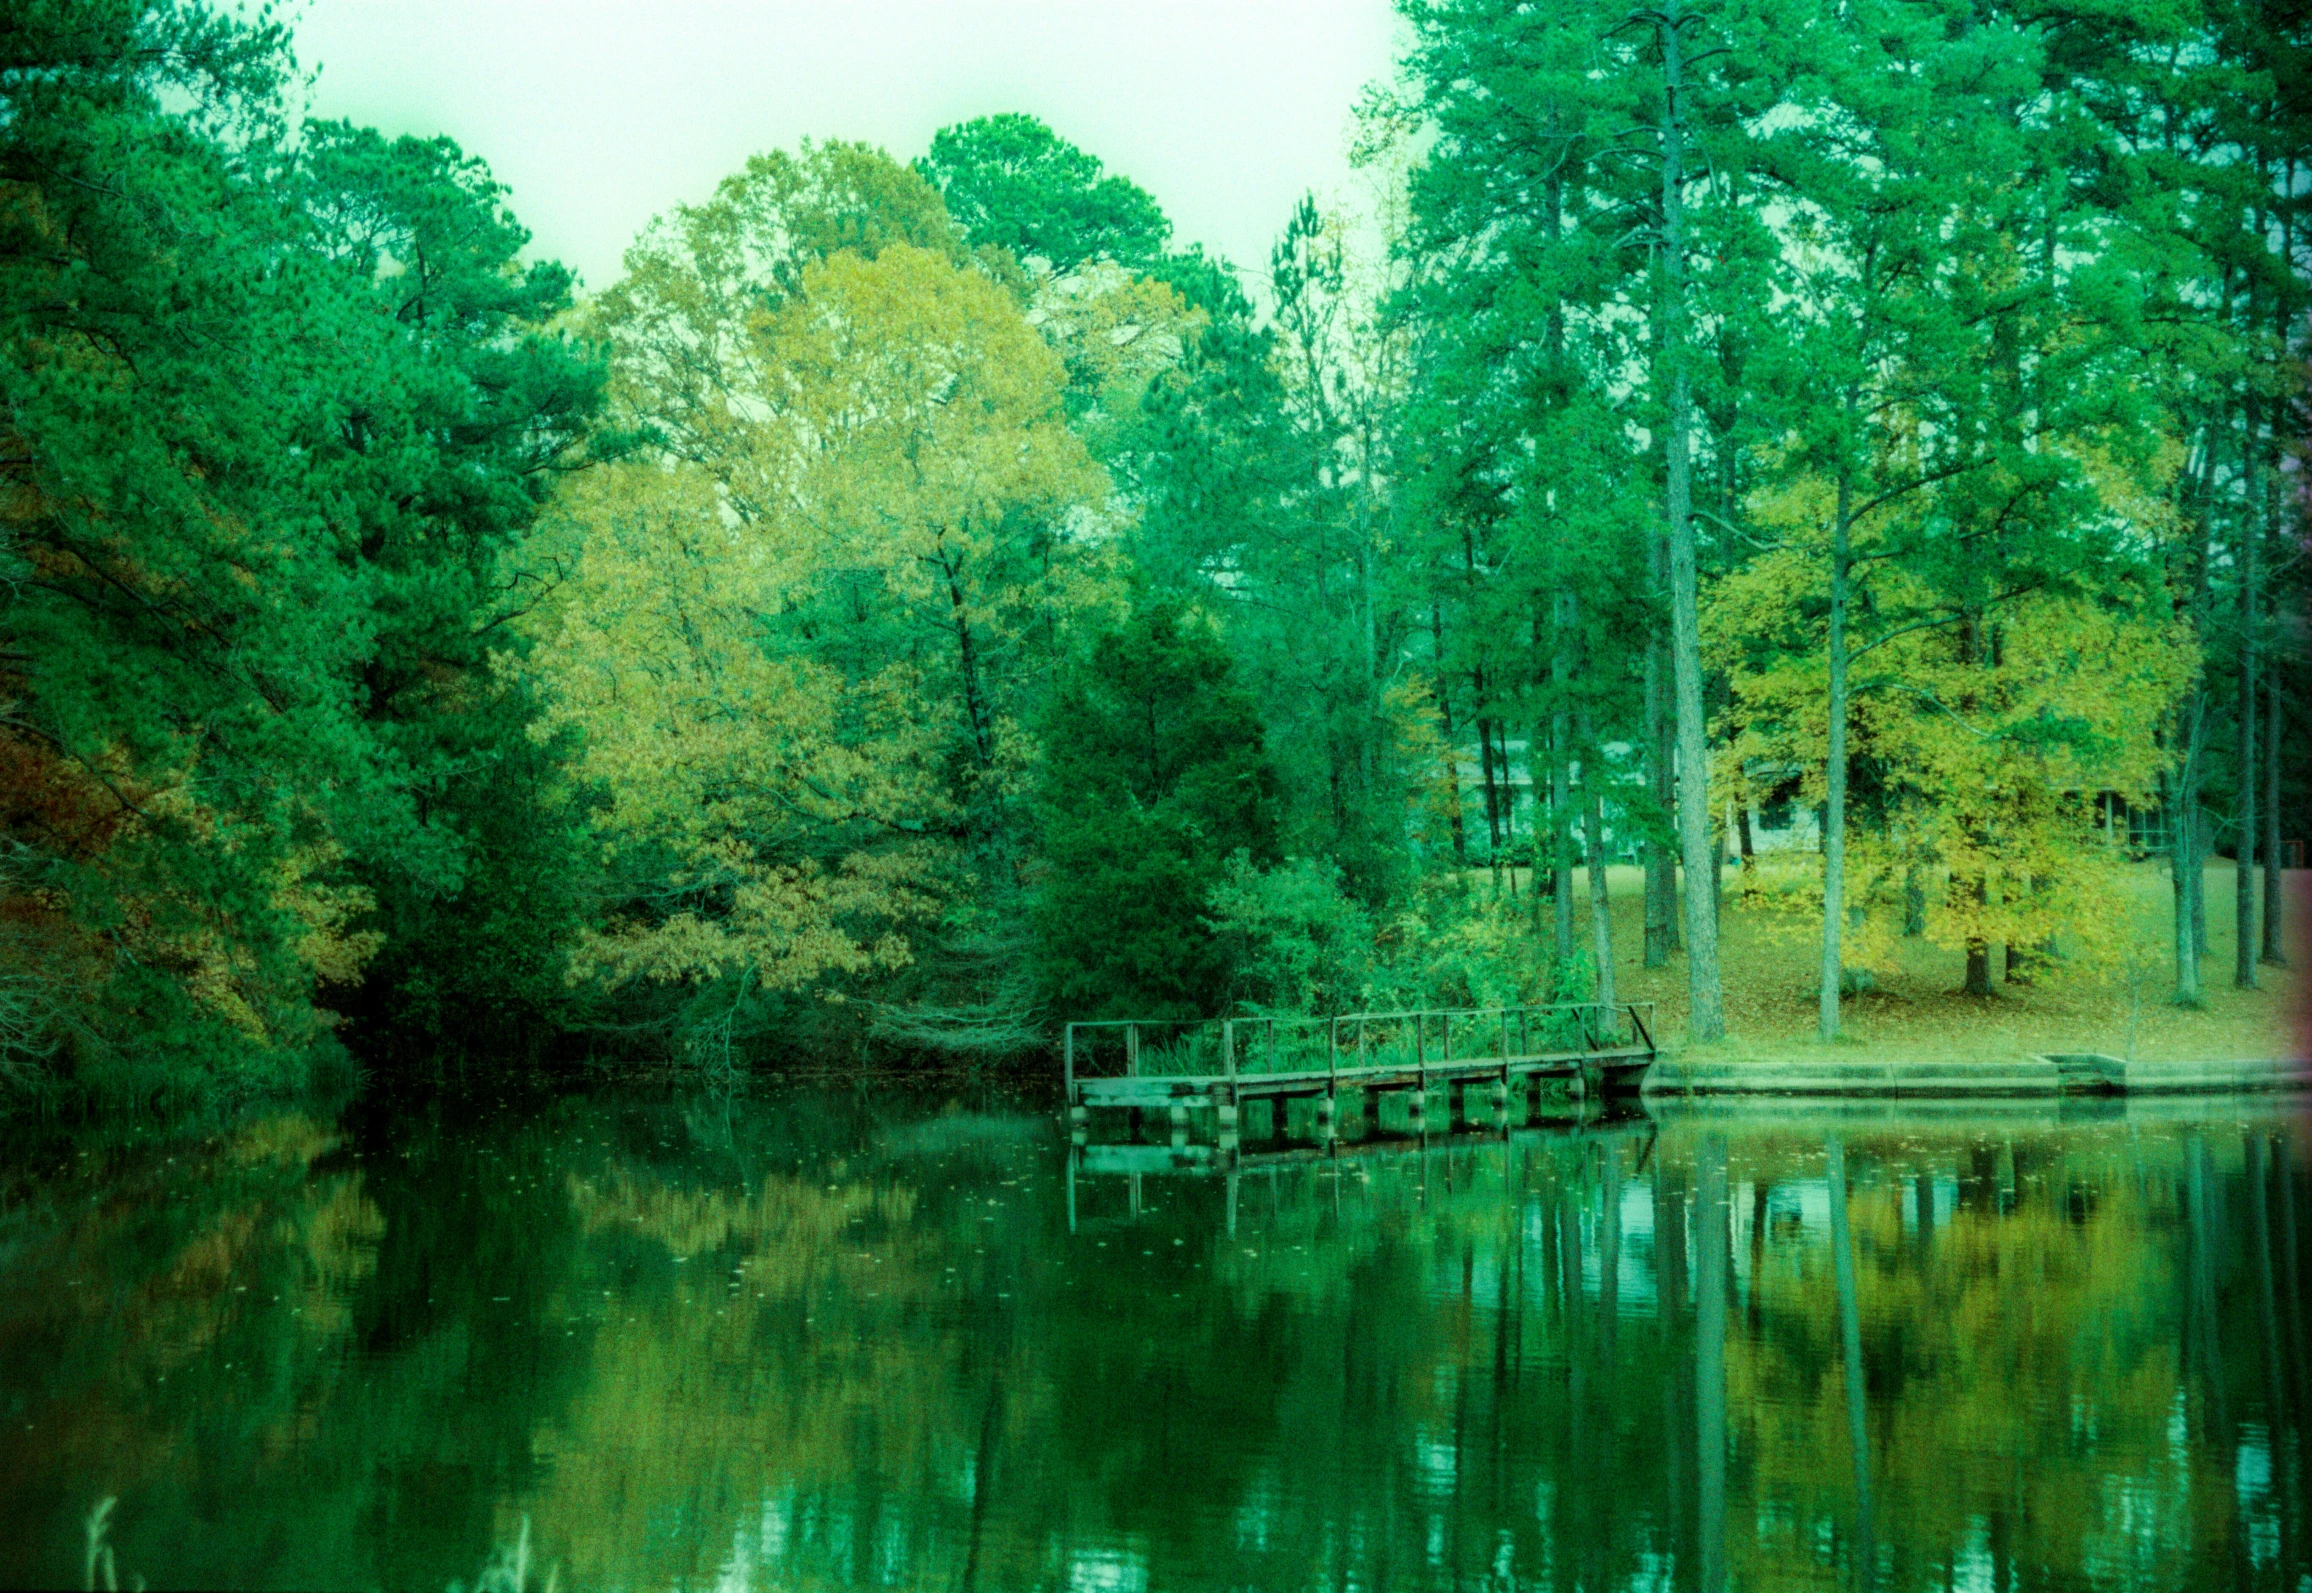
(2063, 1074)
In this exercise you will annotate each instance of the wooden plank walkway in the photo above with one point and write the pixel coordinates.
(1142, 1066)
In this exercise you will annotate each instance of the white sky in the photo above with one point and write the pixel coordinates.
(602, 113)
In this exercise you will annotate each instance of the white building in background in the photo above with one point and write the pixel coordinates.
(1520, 804)
(1778, 826)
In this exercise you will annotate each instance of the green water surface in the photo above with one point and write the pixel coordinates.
(874, 1337)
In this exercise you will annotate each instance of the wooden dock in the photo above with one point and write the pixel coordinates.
(1144, 1066)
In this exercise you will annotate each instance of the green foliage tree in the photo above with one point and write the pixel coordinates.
(464, 405)
(1013, 183)
(1154, 778)
(1296, 941)
(800, 649)
(273, 415)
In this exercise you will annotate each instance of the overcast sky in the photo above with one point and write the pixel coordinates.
(602, 113)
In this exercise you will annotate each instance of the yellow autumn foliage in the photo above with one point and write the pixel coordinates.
(1995, 745)
(792, 648)
(219, 967)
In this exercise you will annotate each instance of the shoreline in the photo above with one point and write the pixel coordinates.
(2042, 1076)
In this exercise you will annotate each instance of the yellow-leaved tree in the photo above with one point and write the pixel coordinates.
(1987, 741)
(797, 639)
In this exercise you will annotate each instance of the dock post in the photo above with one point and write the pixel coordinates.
(1328, 1104)
(1224, 1103)
(1079, 1115)
(1419, 1105)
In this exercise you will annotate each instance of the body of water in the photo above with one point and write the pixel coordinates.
(840, 1337)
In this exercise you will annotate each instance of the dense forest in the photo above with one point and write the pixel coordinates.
(919, 601)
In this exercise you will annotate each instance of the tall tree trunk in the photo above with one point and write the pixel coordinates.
(967, 649)
(1452, 748)
(1560, 845)
(2203, 848)
(2251, 535)
(1834, 804)
(2183, 853)
(2275, 947)
(1601, 902)
(2021, 958)
(1492, 789)
(2275, 951)
(2277, 502)
(1979, 950)
(1717, 879)
(1706, 1010)
(1561, 622)
(1661, 863)
(1508, 803)
(2184, 857)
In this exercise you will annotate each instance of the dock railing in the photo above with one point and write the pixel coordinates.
(1240, 1047)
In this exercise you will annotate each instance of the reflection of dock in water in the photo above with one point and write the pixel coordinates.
(1233, 1162)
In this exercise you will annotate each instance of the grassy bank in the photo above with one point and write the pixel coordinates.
(1916, 1013)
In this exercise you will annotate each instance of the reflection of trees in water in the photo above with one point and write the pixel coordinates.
(1396, 1379)
(171, 1313)
(828, 1344)
(2051, 1397)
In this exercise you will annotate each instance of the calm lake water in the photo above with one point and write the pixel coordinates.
(833, 1338)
